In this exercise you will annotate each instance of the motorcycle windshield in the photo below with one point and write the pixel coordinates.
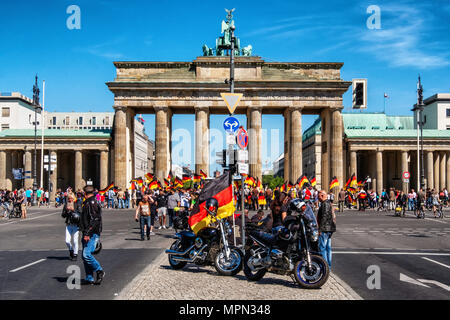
(310, 218)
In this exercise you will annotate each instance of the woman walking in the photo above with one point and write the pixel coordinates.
(72, 215)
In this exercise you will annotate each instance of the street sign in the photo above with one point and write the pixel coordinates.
(406, 175)
(231, 100)
(231, 139)
(242, 138)
(406, 180)
(243, 168)
(231, 124)
(242, 156)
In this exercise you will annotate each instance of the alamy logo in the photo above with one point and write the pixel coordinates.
(74, 20)
(374, 21)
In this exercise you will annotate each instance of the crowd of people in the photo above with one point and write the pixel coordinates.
(393, 199)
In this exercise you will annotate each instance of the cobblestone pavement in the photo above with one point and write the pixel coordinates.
(160, 282)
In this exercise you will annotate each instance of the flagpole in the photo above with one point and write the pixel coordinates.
(42, 136)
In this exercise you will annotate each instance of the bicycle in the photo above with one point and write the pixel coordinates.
(420, 212)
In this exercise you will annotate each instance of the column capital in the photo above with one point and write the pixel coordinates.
(336, 108)
(158, 108)
(202, 107)
(120, 108)
(254, 108)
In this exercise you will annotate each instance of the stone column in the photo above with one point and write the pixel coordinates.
(404, 169)
(202, 139)
(2, 169)
(379, 172)
(443, 176)
(436, 171)
(287, 143)
(104, 155)
(296, 159)
(53, 176)
(78, 170)
(353, 164)
(326, 128)
(120, 147)
(430, 177)
(255, 141)
(15, 165)
(161, 142)
(28, 182)
(448, 171)
(336, 147)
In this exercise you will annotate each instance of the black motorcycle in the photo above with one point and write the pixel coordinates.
(209, 247)
(291, 249)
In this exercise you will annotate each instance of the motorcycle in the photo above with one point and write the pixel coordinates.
(291, 249)
(209, 247)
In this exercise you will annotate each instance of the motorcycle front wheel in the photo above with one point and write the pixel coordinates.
(231, 266)
(174, 263)
(315, 277)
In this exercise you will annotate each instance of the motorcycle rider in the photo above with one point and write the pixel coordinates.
(326, 219)
(91, 227)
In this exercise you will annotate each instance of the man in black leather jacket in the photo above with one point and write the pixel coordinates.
(326, 220)
(91, 227)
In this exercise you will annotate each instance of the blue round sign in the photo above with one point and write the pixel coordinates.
(231, 124)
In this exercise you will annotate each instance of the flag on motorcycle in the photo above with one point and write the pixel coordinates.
(334, 183)
(219, 188)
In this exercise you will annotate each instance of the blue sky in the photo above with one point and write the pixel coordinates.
(76, 64)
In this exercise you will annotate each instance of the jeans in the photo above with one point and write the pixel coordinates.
(171, 214)
(145, 221)
(121, 204)
(91, 265)
(325, 246)
(72, 234)
(127, 203)
(410, 204)
(110, 203)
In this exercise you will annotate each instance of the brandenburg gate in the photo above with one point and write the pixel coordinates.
(194, 87)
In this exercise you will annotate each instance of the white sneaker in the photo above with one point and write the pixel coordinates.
(159, 228)
(164, 227)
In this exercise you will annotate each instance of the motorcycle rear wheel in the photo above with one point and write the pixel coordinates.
(249, 274)
(230, 268)
(173, 263)
(318, 276)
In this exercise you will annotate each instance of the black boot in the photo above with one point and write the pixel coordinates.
(71, 254)
(75, 257)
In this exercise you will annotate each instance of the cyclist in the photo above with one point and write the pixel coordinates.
(420, 200)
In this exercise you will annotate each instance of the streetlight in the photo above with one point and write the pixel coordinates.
(420, 123)
(37, 108)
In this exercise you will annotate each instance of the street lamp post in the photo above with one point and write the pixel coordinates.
(420, 123)
(36, 108)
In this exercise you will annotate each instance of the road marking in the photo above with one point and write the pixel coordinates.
(437, 283)
(405, 278)
(393, 253)
(444, 265)
(28, 219)
(28, 265)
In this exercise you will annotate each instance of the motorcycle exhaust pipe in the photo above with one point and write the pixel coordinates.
(178, 258)
(178, 253)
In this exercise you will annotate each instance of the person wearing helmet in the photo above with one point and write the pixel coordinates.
(91, 227)
(71, 213)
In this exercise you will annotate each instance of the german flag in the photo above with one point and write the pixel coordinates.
(262, 200)
(250, 181)
(258, 183)
(149, 177)
(334, 183)
(153, 185)
(289, 186)
(140, 182)
(169, 176)
(197, 178)
(313, 182)
(103, 191)
(302, 180)
(283, 187)
(219, 188)
(178, 183)
(133, 185)
(204, 175)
